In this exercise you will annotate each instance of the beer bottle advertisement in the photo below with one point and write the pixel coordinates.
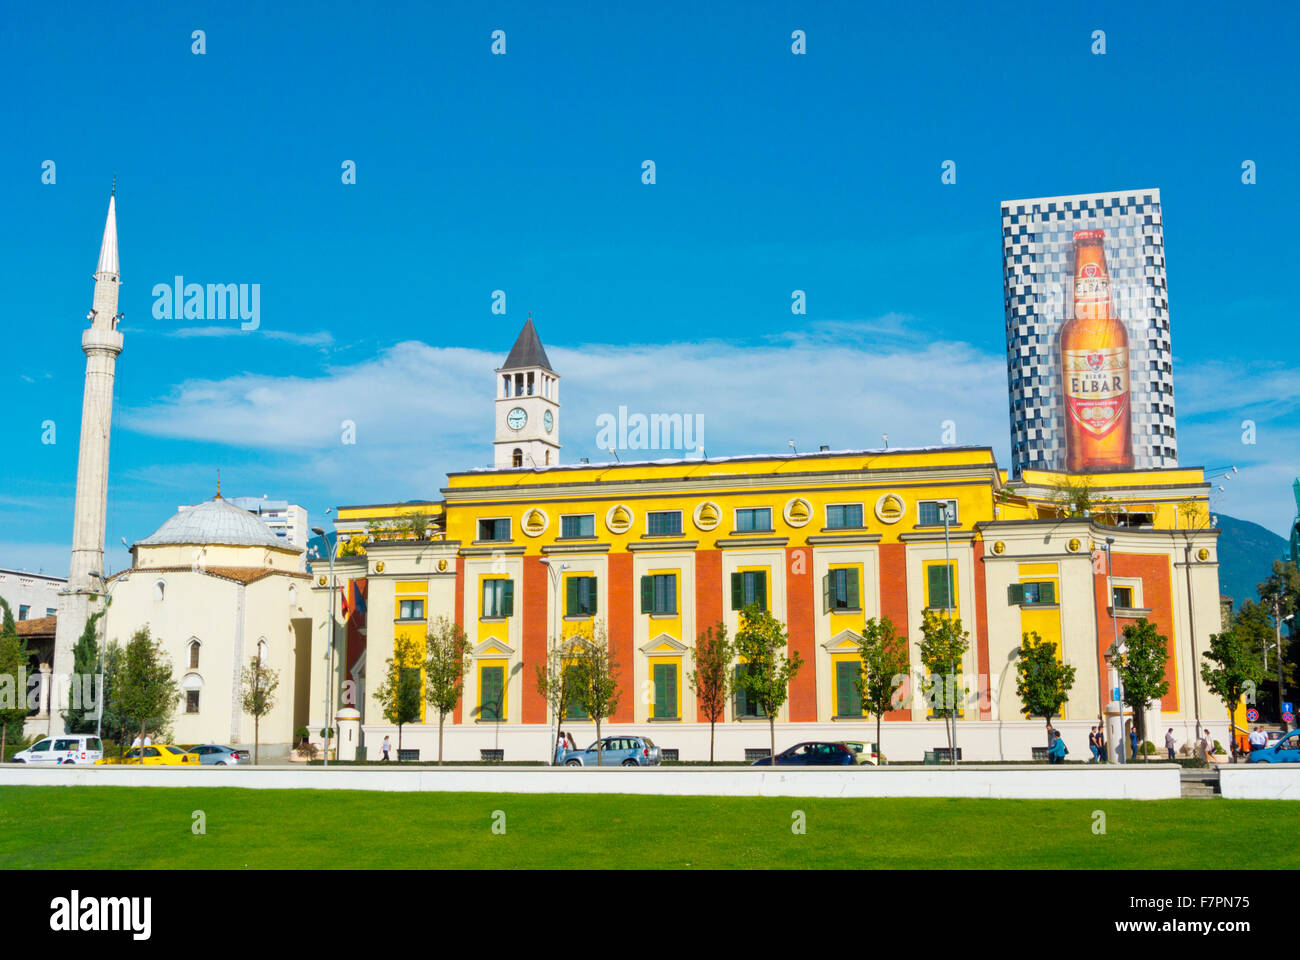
(1095, 367)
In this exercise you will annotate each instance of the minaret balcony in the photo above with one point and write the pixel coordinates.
(96, 340)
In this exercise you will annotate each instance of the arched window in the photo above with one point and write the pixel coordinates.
(517, 458)
(194, 654)
(262, 649)
(293, 595)
(548, 458)
(159, 589)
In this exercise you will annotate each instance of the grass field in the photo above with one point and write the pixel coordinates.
(138, 827)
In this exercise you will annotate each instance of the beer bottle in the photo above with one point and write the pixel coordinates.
(1095, 368)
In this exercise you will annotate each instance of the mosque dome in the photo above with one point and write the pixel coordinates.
(216, 521)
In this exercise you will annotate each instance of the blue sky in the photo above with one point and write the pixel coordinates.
(522, 173)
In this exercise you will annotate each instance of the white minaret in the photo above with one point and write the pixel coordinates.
(528, 405)
(101, 344)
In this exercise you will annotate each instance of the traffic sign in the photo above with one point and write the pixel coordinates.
(1288, 717)
(1252, 714)
(1287, 707)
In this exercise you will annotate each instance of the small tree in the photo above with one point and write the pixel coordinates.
(595, 681)
(1141, 668)
(1232, 669)
(400, 694)
(943, 645)
(258, 696)
(146, 693)
(446, 662)
(1042, 681)
(14, 657)
(884, 668)
(761, 643)
(85, 664)
(711, 677)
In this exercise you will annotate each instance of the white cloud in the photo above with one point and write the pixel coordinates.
(321, 338)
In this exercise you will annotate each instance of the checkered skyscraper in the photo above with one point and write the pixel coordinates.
(1038, 289)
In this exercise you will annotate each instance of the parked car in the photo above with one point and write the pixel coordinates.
(161, 754)
(218, 755)
(616, 752)
(813, 754)
(866, 752)
(71, 749)
(1286, 750)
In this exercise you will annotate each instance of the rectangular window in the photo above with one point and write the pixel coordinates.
(494, 529)
(579, 596)
(940, 584)
(848, 701)
(578, 525)
(191, 701)
(840, 591)
(665, 679)
(844, 516)
(747, 588)
(498, 598)
(22, 611)
(51, 611)
(659, 593)
(573, 710)
(929, 515)
(491, 693)
(754, 518)
(1122, 597)
(664, 523)
(410, 610)
(745, 707)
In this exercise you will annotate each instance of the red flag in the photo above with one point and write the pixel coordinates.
(346, 609)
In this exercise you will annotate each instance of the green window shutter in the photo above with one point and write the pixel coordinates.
(852, 577)
(826, 593)
(647, 594)
(1047, 593)
(760, 589)
(670, 584)
(1015, 593)
(490, 694)
(841, 689)
(737, 591)
(508, 598)
(741, 706)
(659, 690)
(671, 696)
(571, 608)
(938, 583)
(591, 595)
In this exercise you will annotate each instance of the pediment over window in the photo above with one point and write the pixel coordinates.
(846, 641)
(492, 647)
(664, 645)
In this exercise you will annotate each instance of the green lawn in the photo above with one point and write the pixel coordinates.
(128, 827)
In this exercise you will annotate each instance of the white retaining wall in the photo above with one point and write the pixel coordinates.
(1149, 782)
(1260, 781)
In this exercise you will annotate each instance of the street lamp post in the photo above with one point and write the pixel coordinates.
(1117, 751)
(329, 680)
(555, 573)
(99, 697)
(947, 567)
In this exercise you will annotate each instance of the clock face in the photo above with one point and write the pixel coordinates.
(548, 421)
(516, 418)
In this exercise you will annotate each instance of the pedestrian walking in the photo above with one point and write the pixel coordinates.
(561, 748)
(1207, 744)
(1170, 743)
(1133, 742)
(386, 746)
(1058, 750)
(1101, 745)
(148, 739)
(1258, 739)
(137, 741)
(1092, 745)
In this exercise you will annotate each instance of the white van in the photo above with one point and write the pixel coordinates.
(73, 748)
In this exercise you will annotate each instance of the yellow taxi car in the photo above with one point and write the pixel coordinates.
(162, 754)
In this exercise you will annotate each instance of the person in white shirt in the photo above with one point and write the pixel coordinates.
(1170, 743)
(136, 742)
(1258, 739)
(148, 739)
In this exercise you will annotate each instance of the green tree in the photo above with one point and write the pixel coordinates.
(1279, 595)
(761, 643)
(1043, 682)
(446, 662)
(884, 668)
(595, 680)
(258, 695)
(401, 693)
(146, 693)
(711, 676)
(85, 676)
(1232, 669)
(943, 645)
(14, 657)
(1140, 664)
(1075, 497)
(553, 685)
(112, 723)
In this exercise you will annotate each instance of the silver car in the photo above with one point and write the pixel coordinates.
(616, 752)
(214, 754)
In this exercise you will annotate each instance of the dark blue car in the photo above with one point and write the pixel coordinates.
(813, 754)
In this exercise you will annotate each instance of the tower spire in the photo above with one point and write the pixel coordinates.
(108, 246)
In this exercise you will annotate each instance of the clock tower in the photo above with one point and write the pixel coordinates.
(528, 405)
